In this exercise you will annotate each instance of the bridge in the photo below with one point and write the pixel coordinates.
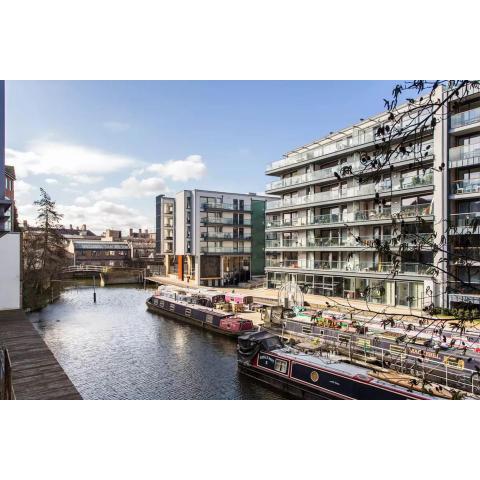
(109, 275)
(98, 268)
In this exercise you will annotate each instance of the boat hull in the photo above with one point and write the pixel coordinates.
(191, 316)
(304, 381)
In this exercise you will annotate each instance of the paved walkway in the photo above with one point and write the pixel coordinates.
(36, 373)
(270, 296)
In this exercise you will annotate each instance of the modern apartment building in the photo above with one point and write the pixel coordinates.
(10, 241)
(323, 231)
(165, 230)
(219, 236)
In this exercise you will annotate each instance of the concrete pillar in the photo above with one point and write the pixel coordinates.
(440, 202)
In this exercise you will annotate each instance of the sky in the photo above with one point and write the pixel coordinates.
(104, 149)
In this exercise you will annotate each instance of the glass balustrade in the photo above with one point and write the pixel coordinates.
(464, 155)
(224, 221)
(461, 187)
(240, 250)
(352, 266)
(408, 211)
(225, 206)
(470, 220)
(465, 118)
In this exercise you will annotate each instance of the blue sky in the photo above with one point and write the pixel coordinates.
(104, 149)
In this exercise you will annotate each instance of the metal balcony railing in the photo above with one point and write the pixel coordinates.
(223, 236)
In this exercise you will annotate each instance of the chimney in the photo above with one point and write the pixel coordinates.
(139, 230)
(146, 231)
(84, 227)
(71, 227)
(131, 232)
(25, 224)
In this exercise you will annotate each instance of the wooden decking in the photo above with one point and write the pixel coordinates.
(36, 373)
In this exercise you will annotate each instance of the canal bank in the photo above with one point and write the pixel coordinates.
(116, 349)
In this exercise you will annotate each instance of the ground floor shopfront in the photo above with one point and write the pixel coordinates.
(407, 293)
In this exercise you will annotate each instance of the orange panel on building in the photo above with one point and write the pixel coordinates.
(180, 267)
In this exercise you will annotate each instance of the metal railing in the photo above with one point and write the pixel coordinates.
(397, 359)
(468, 220)
(6, 384)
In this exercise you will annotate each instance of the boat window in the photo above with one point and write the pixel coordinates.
(281, 366)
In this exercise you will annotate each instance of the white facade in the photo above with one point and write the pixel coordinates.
(324, 231)
(213, 233)
(10, 275)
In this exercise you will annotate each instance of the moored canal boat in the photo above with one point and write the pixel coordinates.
(263, 356)
(197, 309)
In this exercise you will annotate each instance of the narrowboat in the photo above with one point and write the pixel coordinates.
(263, 356)
(445, 357)
(197, 309)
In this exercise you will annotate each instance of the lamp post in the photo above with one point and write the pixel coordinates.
(94, 293)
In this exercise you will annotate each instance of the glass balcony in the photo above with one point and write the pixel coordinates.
(465, 118)
(223, 236)
(343, 193)
(224, 221)
(464, 155)
(419, 150)
(461, 187)
(225, 206)
(417, 181)
(359, 137)
(225, 250)
(420, 210)
(387, 268)
(409, 211)
(471, 221)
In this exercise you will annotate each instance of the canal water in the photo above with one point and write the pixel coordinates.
(116, 349)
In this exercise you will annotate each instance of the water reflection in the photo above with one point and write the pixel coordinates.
(115, 349)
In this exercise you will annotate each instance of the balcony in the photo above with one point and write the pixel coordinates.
(350, 242)
(463, 187)
(357, 138)
(464, 156)
(465, 118)
(352, 192)
(359, 267)
(225, 206)
(410, 211)
(224, 221)
(226, 250)
(223, 236)
(468, 222)
(356, 167)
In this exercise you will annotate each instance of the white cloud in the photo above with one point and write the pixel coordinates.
(78, 162)
(116, 127)
(97, 216)
(191, 167)
(23, 191)
(132, 187)
(51, 181)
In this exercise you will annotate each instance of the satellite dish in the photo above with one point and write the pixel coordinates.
(290, 295)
